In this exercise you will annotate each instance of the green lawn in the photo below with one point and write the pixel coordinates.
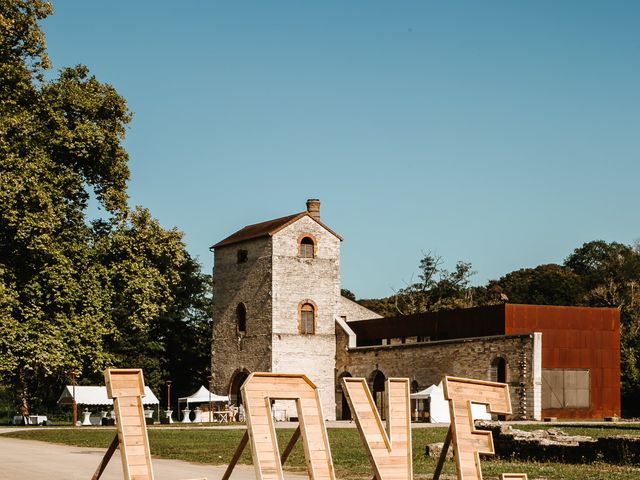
(216, 446)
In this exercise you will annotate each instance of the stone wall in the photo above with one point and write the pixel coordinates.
(426, 363)
(553, 445)
(314, 280)
(233, 283)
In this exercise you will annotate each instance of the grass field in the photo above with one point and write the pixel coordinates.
(216, 446)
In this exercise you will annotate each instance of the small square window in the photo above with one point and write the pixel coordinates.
(243, 256)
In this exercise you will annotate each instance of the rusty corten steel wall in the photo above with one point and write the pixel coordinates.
(576, 337)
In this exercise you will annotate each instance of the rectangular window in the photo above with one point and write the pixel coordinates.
(307, 323)
(566, 388)
(243, 255)
(306, 250)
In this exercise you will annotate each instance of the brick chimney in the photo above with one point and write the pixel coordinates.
(313, 208)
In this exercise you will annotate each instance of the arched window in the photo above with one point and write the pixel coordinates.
(307, 247)
(307, 319)
(241, 316)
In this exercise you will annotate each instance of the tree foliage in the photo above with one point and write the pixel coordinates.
(437, 288)
(75, 293)
(549, 284)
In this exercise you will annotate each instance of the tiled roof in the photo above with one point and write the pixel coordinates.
(257, 230)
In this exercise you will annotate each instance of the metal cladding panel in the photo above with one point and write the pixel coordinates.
(580, 338)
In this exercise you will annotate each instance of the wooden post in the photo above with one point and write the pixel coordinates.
(243, 444)
(236, 456)
(443, 455)
(107, 456)
(290, 445)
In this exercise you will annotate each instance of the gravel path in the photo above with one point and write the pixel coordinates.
(32, 460)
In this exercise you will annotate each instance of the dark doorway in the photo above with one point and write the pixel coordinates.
(499, 374)
(235, 396)
(499, 370)
(378, 392)
(345, 410)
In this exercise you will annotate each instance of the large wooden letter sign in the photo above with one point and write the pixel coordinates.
(257, 392)
(468, 442)
(390, 451)
(126, 387)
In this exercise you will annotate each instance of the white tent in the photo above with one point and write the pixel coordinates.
(202, 396)
(439, 407)
(426, 393)
(97, 395)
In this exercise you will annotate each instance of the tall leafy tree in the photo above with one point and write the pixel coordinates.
(59, 140)
(437, 288)
(549, 284)
(74, 293)
(185, 331)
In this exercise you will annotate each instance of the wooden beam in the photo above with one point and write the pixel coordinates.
(107, 456)
(236, 456)
(443, 455)
(290, 445)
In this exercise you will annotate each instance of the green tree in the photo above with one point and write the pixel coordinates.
(348, 294)
(185, 331)
(58, 141)
(74, 293)
(549, 284)
(437, 288)
(143, 263)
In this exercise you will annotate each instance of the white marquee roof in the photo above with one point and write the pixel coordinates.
(97, 395)
(202, 395)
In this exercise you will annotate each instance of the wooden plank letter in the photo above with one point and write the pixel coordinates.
(126, 387)
(468, 442)
(513, 476)
(257, 392)
(389, 451)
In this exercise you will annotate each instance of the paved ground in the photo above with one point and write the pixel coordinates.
(31, 460)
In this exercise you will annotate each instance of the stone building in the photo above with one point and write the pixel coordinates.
(278, 308)
(277, 295)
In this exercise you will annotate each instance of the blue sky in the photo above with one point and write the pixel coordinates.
(501, 133)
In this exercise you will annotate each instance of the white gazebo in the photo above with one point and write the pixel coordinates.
(433, 402)
(201, 396)
(439, 407)
(95, 395)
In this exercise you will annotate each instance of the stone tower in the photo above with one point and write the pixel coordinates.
(276, 297)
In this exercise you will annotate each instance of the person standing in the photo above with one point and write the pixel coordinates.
(24, 411)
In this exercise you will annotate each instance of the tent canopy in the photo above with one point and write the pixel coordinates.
(427, 393)
(202, 396)
(439, 407)
(97, 395)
